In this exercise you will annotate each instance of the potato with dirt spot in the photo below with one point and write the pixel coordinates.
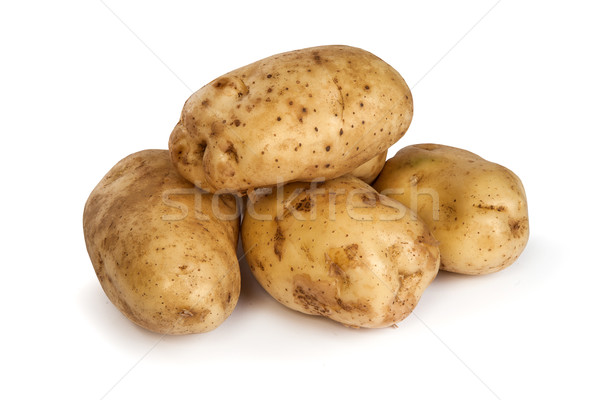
(369, 170)
(475, 208)
(313, 113)
(164, 252)
(340, 250)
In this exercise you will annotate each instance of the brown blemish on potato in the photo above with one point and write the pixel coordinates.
(491, 207)
(408, 282)
(518, 227)
(343, 257)
(336, 272)
(428, 240)
(449, 212)
(369, 199)
(393, 252)
(404, 301)
(226, 297)
(278, 240)
(100, 273)
(312, 301)
(321, 298)
(351, 251)
(354, 306)
(231, 152)
(305, 204)
(307, 251)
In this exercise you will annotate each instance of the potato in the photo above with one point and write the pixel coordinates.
(340, 250)
(166, 271)
(369, 170)
(313, 113)
(475, 208)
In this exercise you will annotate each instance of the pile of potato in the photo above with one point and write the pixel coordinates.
(295, 147)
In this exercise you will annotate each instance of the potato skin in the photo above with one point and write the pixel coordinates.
(166, 273)
(368, 171)
(340, 250)
(295, 116)
(482, 222)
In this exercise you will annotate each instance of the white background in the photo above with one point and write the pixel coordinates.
(85, 83)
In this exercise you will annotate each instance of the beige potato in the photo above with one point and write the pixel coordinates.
(313, 113)
(475, 208)
(340, 250)
(164, 252)
(369, 170)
